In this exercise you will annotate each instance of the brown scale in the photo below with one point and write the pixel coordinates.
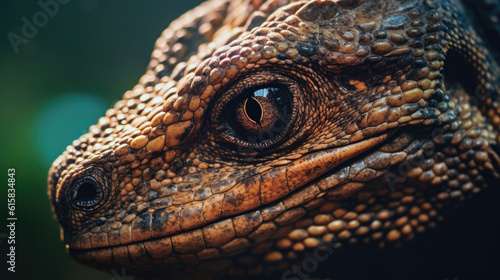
(377, 147)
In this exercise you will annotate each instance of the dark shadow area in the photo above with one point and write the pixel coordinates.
(463, 246)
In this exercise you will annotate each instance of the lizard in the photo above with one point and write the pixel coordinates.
(263, 130)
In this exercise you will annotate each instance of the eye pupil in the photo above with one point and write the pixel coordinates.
(253, 109)
(85, 192)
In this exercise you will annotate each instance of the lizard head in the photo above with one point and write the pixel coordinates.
(285, 128)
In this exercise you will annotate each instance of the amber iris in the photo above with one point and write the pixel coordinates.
(259, 115)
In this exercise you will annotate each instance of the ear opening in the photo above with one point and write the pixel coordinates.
(458, 71)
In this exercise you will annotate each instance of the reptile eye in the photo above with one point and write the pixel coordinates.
(259, 115)
(86, 192)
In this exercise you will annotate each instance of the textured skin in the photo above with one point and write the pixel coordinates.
(383, 137)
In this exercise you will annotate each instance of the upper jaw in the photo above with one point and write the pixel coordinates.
(250, 194)
(176, 245)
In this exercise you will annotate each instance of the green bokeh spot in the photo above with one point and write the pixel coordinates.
(64, 120)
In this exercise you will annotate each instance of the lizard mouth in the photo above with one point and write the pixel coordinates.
(241, 227)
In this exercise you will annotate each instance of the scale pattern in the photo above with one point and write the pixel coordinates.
(383, 138)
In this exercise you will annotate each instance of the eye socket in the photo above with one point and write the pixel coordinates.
(85, 192)
(258, 116)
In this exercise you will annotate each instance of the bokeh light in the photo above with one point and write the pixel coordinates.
(63, 120)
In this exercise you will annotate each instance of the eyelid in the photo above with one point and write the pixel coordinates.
(251, 80)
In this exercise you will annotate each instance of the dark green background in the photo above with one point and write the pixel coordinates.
(58, 84)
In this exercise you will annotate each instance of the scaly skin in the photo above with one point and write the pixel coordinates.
(186, 176)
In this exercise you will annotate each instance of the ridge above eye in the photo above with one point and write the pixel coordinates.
(259, 115)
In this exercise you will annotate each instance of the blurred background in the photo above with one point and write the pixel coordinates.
(76, 66)
(60, 82)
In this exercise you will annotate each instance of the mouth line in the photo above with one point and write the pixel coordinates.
(366, 146)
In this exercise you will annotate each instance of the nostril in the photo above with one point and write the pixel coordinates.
(85, 192)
